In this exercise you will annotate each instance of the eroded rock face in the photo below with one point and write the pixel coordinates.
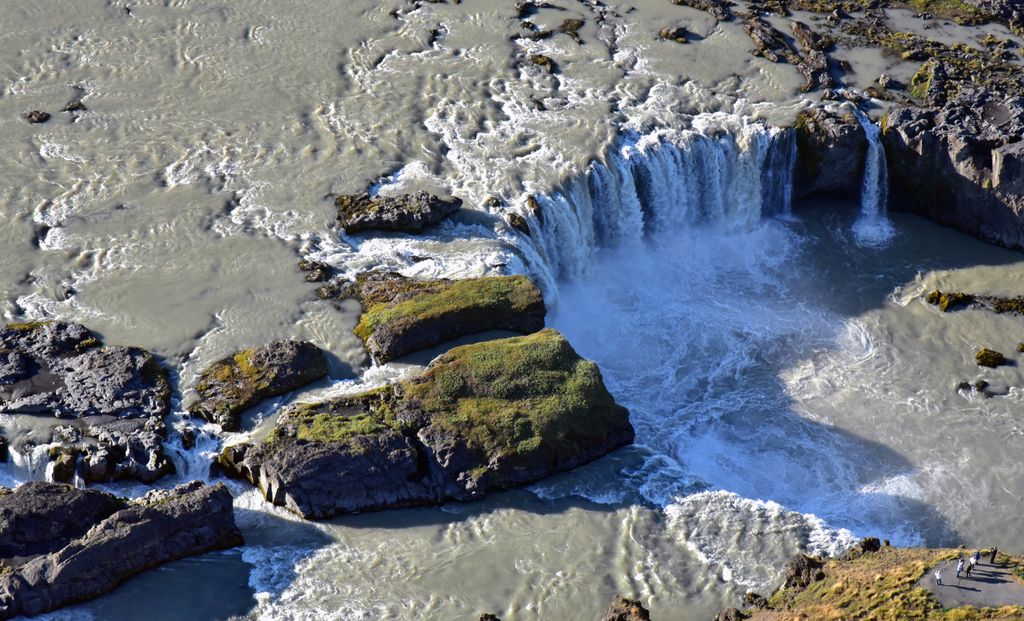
(802, 570)
(411, 213)
(482, 417)
(113, 400)
(719, 9)
(402, 315)
(827, 141)
(163, 526)
(626, 609)
(240, 381)
(961, 164)
(39, 518)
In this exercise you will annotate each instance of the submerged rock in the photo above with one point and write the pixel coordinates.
(245, 378)
(402, 315)
(482, 417)
(626, 609)
(411, 213)
(114, 399)
(163, 526)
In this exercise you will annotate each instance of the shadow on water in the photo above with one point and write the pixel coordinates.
(660, 471)
(209, 587)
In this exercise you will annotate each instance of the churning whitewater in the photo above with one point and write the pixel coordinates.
(789, 388)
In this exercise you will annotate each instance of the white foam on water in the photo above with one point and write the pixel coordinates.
(873, 228)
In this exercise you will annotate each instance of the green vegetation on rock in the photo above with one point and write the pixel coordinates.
(435, 298)
(949, 301)
(989, 358)
(515, 396)
(879, 585)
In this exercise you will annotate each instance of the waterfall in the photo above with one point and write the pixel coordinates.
(873, 227)
(727, 179)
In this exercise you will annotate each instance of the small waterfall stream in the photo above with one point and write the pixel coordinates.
(873, 227)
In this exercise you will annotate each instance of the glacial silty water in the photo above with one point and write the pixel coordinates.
(790, 389)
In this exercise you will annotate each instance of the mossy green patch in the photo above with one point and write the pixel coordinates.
(989, 358)
(957, 10)
(879, 585)
(516, 396)
(422, 301)
(950, 300)
(28, 326)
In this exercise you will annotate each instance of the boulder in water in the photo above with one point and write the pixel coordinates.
(990, 358)
(719, 9)
(36, 116)
(482, 417)
(93, 553)
(411, 213)
(402, 315)
(39, 518)
(114, 399)
(626, 609)
(240, 381)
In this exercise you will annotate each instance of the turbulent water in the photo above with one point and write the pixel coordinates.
(789, 387)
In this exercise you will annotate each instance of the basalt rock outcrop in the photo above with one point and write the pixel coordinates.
(626, 609)
(89, 544)
(403, 315)
(411, 213)
(831, 149)
(482, 417)
(39, 518)
(719, 9)
(949, 301)
(240, 381)
(111, 401)
(961, 164)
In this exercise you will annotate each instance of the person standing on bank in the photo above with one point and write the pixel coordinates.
(992, 559)
(959, 566)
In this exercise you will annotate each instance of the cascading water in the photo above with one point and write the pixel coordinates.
(873, 227)
(664, 181)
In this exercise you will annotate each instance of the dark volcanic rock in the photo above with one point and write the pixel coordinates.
(718, 8)
(411, 213)
(483, 417)
(731, 614)
(114, 399)
(401, 315)
(769, 42)
(961, 165)
(813, 64)
(626, 609)
(39, 518)
(990, 358)
(161, 527)
(242, 380)
(831, 149)
(36, 116)
(673, 33)
(59, 369)
(802, 570)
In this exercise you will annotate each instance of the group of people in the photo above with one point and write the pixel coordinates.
(965, 569)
